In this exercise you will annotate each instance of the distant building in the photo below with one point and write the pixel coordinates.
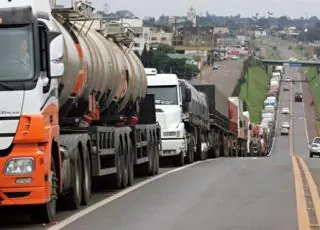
(221, 30)
(160, 37)
(191, 38)
(52, 3)
(192, 16)
(260, 33)
(130, 22)
(142, 38)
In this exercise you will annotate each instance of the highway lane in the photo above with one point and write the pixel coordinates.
(229, 193)
(302, 116)
(224, 194)
(18, 218)
(225, 78)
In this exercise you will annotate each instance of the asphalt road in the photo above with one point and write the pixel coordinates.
(302, 115)
(223, 194)
(229, 193)
(225, 78)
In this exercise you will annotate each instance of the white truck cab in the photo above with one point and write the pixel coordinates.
(169, 111)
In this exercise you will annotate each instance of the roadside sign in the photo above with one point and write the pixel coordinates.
(295, 65)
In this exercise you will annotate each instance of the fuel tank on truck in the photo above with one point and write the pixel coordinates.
(95, 65)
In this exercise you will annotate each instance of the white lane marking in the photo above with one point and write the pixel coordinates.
(304, 112)
(116, 196)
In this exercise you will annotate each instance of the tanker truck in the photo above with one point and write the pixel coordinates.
(182, 113)
(73, 105)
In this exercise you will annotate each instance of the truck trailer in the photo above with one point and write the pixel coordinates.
(76, 110)
(218, 136)
(242, 129)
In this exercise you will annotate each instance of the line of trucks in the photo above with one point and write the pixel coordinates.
(263, 133)
(85, 111)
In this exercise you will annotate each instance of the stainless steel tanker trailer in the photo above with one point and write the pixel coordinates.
(78, 110)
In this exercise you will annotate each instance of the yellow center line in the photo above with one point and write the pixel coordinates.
(312, 187)
(302, 213)
(303, 217)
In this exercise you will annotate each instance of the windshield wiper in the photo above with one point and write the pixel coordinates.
(7, 87)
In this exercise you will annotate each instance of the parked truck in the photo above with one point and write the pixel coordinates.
(242, 129)
(76, 111)
(255, 143)
(218, 137)
(183, 115)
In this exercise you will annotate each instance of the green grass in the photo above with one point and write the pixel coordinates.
(272, 53)
(302, 51)
(314, 85)
(254, 91)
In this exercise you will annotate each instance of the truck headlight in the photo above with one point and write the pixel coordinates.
(19, 166)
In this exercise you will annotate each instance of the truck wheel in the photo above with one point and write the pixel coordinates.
(73, 198)
(179, 160)
(311, 155)
(155, 170)
(203, 155)
(118, 177)
(46, 212)
(130, 164)
(190, 151)
(125, 172)
(86, 182)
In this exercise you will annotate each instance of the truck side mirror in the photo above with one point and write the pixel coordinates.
(187, 96)
(56, 42)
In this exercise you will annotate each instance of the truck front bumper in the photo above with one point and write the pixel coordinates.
(25, 189)
(172, 147)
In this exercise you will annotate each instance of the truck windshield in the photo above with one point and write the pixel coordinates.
(16, 48)
(164, 95)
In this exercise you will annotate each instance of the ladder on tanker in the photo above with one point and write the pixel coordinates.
(84, 12)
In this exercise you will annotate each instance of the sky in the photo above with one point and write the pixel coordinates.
(154, 8)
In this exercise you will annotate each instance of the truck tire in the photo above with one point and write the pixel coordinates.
(190, 151)
(125, 172)
(46, 212)
(130, 164)
(311, 155)
(156, 163)
(73, 198)
(118, 177)
(179, 159)
(86, 182)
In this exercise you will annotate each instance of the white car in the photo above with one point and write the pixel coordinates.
(286, 125)
(293, 59)
(314, 147)
(286, 79)
(285, 111)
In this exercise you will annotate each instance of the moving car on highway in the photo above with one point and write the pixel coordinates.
(284, 131)
(298, 97)
(286, 125)
(314, 147)
(293, 59)
(285, 88)
(285, 110)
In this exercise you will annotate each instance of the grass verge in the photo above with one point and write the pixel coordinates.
(314, 86)
(254, 90)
